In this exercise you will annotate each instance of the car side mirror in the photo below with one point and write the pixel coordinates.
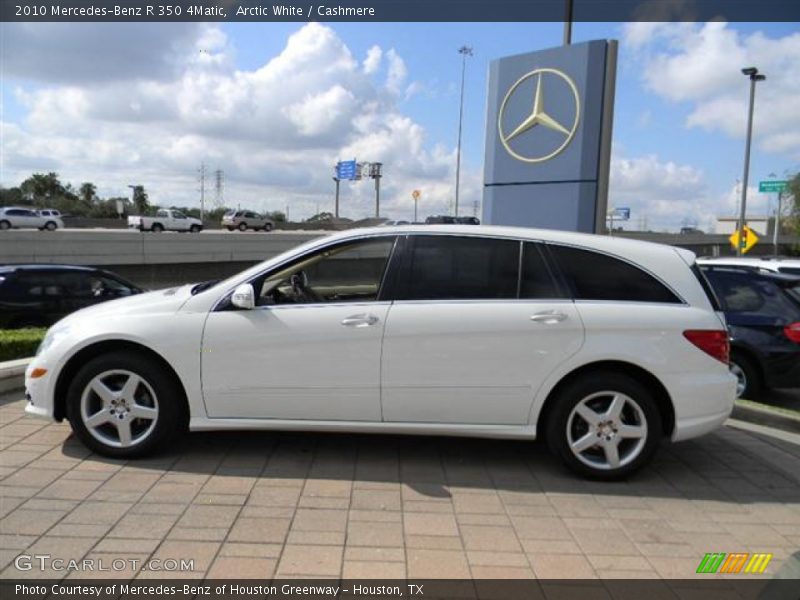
(244, 297)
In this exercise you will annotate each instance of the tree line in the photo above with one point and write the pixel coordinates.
(46, 190)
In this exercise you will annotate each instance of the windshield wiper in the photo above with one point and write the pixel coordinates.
(200, 287)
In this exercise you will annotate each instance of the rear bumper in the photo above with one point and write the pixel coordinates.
(702, 401)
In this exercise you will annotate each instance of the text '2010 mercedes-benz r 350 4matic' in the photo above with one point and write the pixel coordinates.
(602, 346)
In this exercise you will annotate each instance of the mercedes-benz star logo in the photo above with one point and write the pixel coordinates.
(539, 116)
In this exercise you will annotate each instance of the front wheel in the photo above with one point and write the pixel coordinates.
(123, 406)
(195, 229)
(604, 426)
(157, 228)
(5, 225)
(268, 227)
(50, 226)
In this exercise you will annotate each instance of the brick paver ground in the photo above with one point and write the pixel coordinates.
(264, 505)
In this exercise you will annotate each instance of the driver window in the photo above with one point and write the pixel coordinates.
(347, 273)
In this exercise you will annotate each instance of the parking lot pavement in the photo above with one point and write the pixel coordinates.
(263, 505)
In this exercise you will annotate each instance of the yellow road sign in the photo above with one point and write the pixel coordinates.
(746, 241)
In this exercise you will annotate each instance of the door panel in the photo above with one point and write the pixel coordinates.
(318, 362)
(473, 362)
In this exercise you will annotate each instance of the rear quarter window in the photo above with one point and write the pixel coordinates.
(596, 276)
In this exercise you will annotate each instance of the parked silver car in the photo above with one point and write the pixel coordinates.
(246, 219)
(17, 217)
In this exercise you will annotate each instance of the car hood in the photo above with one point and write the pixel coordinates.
(160, 301)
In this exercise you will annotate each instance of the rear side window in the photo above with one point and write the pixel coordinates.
(745, 294)
(595, 276)
(460, 268)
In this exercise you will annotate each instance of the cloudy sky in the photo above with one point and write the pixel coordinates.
(275, 105)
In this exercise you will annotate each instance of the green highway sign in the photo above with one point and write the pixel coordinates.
(772, 185)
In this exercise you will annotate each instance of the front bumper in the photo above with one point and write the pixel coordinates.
(38, 393)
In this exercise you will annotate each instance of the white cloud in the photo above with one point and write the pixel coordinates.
(397, 72)
(666, 195)
(701, 65)
(275, 130)
(373, 60)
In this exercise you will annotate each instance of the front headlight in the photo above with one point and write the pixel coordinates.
(53, 334)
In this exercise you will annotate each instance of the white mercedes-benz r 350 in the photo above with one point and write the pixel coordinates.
(603, 346)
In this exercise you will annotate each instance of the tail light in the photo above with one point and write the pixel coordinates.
(713, 342)
(792, 331)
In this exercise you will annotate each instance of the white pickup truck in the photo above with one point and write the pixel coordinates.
(166, 220)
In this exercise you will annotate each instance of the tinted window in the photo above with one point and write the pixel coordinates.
(537, 281)
(161, 213)
(347, 273)
(789, 270)
(596, 276)
(448, 267)
(740, 293)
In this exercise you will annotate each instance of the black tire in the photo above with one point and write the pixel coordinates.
(598, 388)
(50, 226)
(268, 227)
(171, 418)
(229, 228)
(157, 228)
(5, 225)
(750, 384)
(195, 229)
(242, 227)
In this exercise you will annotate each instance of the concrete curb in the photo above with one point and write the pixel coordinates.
(12, 374)
(764, 414)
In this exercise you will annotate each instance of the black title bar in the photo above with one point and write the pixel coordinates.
(398, 10)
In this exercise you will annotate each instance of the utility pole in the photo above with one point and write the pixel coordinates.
(219, 186)
(375, 173)
(464, 51)
(336, 205)
(202, 190)
(754, 76)
(776, 229)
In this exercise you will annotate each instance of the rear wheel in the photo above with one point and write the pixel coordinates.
(242, 226)
(748, 379)
(604, 426)
(268, 227)
(5, 225)
(157, 228)
(124, 405)
(50, 226)
(195, 229)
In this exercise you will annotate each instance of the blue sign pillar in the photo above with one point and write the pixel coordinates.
(548, 139)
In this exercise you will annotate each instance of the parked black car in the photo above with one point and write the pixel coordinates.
(40, 295)
(451, 220)
(763, 314)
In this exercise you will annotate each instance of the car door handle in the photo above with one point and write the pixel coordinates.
(549, 317)
(363, 320)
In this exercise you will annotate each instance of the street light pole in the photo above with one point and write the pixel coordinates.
(754, 76)
(464, 51)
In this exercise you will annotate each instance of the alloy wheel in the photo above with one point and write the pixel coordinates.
(606, 430)
(119, 408)
(741, 379)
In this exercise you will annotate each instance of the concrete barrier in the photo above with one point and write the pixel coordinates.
(12, 374)
(102, 248)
